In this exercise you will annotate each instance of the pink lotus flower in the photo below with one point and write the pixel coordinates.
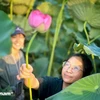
(39, 21)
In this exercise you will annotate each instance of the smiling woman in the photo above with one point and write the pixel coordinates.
(76, 67)
(11, 63)
(72, 70)
(17, 41)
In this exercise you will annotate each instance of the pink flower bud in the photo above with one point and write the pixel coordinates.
(39, 21)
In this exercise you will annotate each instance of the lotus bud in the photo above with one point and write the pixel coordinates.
(39, 21)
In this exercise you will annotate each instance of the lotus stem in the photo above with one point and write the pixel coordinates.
(86, 33)
(28, 48)
(11, 10)
(94, 64)
(47, 37)
(58, 25)
(94, 39)
(71, 44)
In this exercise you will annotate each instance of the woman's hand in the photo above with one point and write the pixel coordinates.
(25, 72)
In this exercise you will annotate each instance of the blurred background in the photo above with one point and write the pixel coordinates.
(75, 28)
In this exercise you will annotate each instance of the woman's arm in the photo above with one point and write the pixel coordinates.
(27, 75)
(33, 81)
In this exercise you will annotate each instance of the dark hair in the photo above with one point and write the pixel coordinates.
(87, 64)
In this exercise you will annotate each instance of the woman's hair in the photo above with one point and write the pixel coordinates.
(87, 64)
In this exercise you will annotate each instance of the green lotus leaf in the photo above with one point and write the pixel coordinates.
(38, 46)
(84, 10)
(78, 47)
(69, 26)
(43, 63)
(6, 28)
(79, 37)
(87, 88)
(79, 24)
(94, 33)
(89, 49)
(20, 21)
(92, 49)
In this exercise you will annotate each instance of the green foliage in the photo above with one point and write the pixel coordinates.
(94, 33)
(89, 49)
(38, 46)
(84, 10)
(87, 88)
(43, 62)
(79, 32)
(92, 49)
(71, 30)
(6, 29)
(71, 33)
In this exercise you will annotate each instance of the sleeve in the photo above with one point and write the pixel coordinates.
(4, 81)
(1, 67)
(1, 70)
(35, 93)
(46, 88)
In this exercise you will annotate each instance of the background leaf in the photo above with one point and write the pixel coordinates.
(38, 46)
(6, 29)
(85, 11)
(43, 63)
(92, 49)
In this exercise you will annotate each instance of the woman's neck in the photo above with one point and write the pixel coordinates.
(15, 53)
(65, 85)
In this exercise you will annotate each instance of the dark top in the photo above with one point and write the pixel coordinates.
(48, 86)
(8, 72)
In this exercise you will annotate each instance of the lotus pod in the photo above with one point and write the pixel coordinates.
(48, 8)
(44, 7)
(20, 9)
(26, 2)
(20, 6)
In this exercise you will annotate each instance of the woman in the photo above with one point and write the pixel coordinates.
(76, 67)
(10, 64)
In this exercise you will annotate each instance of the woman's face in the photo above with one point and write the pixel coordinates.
(72, 70)
(17, 41)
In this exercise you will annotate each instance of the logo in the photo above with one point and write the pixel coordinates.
(6, 93)
(18, 29)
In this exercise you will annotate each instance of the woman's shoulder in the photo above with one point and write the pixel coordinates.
(3, 61)
(7, 59)
(50, 79)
